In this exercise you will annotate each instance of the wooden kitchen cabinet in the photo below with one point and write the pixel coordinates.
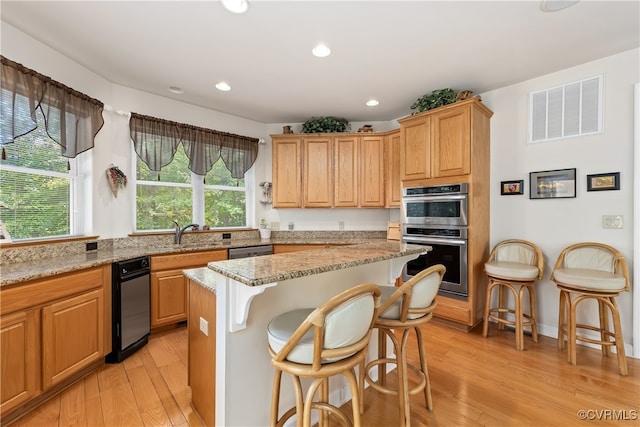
(438, 143)
(169, 289)
(335, 170)
(317, 180)
(19, 347)
(287, 248)
(72, 336)
(53, 332)
(392, 170)
(287, 175)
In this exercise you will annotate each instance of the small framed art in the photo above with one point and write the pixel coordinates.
(554, 184)
(510, 188)
(603, 181)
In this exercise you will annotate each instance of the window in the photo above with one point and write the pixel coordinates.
(38, 196)
(566, 111)
(175, 193)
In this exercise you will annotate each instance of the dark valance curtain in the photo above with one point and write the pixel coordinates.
(72, 119)
(156, 141)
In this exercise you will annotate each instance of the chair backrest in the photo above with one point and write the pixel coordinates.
(594, 256)
(341, 326)
(418, 294)
(520, 251)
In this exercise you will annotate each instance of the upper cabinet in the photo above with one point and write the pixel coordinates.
(392, 169)
(332, 170)
(438, 143)
(287, 183)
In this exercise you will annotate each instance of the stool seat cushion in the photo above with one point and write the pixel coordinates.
(585, 278)
(283, 326)
(511, 270)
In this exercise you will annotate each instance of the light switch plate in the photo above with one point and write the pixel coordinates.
(204, 326)
(612, 221)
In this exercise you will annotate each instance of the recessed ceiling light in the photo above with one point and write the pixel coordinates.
(223, 86)
(556, 5)
(236, 6)
(372, 102)
(321, 51)
(175, 89)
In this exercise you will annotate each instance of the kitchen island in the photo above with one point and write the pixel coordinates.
(231, 303)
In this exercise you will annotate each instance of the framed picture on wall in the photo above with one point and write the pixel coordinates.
(554, 184)
(510, 188)
(603, 181)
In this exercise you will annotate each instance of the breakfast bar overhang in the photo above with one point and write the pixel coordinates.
(232, 302)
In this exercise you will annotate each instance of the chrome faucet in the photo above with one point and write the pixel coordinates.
(180, 231)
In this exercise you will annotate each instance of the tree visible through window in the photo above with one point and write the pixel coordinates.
(217, 200)
(36, 189)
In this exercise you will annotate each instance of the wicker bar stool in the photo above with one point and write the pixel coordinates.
(591, 271)
(404, 308)
(513, 265)
(319, 343)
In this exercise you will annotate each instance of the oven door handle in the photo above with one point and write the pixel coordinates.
(434, 240)
(435, 198)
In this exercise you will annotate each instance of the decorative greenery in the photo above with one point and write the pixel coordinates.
(325, 125)
(438, 98)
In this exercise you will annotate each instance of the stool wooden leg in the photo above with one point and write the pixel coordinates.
(502, 296)
(355, 399)
(533, 313)
(562, 321)
(603, 314)
(361, 380)
(275, 397)
(518, 296)
(571, 330)
(382, 353)
(487, 306)
(617, 330)
(403, 381)
(423, 366)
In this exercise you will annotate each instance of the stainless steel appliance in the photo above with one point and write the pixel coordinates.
(436, 216)
(441, 204)
(130, 302)
(250, 251)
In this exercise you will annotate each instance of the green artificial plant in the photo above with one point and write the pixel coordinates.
(325, 125)
(438, 98)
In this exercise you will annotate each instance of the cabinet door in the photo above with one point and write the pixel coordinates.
(415, 148)
(286, 173)
(317, 170)
(372, 171)
(452, 142)
(72, 336)
(18, 349)
(392, 169)
(168, 297)
(346, 171)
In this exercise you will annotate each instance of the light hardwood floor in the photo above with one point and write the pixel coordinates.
(475, 382)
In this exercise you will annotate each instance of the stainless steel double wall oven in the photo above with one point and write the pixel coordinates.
(437, 216)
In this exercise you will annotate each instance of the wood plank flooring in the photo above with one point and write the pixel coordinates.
(475, 382)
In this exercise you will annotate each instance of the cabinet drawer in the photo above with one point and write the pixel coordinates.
(188, 260)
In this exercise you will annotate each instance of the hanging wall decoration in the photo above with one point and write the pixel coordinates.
(117, 179)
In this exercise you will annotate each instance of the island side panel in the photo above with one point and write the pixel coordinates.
(202, 351)
(245, 362)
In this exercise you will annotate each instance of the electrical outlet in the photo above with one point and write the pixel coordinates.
(341, 225)
(226, 235)
(204, 326)
(612, 221)
(91, 246)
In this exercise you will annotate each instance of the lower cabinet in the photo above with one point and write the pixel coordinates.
(169, 290)
(51, 330)
(18, 348)
(72, 336)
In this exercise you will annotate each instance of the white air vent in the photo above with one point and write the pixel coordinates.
(565, 111)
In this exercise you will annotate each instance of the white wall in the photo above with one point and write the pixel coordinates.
(554, 224)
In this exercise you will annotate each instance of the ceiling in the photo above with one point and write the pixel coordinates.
(394, 51)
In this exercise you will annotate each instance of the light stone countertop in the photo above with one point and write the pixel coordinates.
(269, 269)
(12, 273)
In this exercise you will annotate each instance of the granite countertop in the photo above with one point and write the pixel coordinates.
(19, 272)
(261, 270)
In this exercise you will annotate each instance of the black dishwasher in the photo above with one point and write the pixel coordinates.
(130, 308)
